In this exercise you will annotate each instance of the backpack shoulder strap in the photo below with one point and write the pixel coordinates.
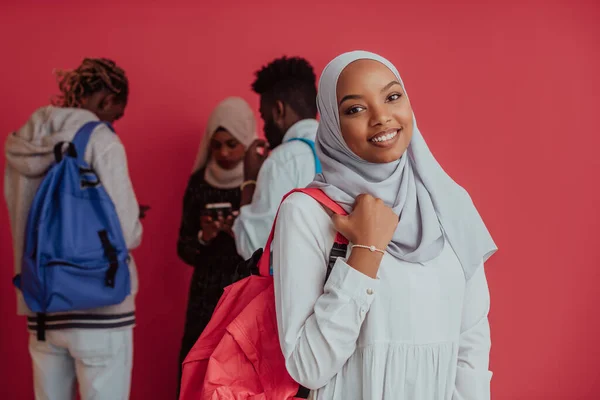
(340, 244)
(311, 143)
(323, 199)
(82, 137)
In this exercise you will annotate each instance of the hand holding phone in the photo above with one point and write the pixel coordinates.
(216, 217)
(209, 228)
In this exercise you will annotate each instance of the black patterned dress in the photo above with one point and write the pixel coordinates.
(214, 264)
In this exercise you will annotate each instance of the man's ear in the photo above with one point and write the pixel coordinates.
(279, 111)
(107, 101)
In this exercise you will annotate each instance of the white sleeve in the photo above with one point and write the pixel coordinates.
(253, 225)
(473, 376)
(111, 168)
(318, 325)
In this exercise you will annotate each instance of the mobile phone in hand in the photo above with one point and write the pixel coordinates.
(216, 210)
(143, 210)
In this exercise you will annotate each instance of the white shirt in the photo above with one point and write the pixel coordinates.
(289, 166)
(417, 332)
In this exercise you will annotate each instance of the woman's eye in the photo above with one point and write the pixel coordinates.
(232, 144)
(394, 96)
(354, 110)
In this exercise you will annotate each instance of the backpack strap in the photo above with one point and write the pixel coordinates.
(111, 254)
(339, 249)
(340, 244)
(302, 393)
(309, 142)
(82, 137)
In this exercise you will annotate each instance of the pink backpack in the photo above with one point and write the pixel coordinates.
(238, 356)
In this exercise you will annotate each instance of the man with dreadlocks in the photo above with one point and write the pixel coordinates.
(287, 91)
(92, 347)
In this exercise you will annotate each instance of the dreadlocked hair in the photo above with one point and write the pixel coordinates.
(290, 80)
(92, 76)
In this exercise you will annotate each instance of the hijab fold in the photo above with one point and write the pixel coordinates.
(432, 208)
(235, 116)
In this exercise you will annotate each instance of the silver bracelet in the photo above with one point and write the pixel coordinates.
(370, 248)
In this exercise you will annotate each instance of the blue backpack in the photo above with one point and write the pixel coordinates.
(314, 150)
(75, 257)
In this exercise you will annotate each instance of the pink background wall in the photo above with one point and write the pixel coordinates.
(506, 93)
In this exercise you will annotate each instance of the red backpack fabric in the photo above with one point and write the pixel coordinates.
(238, 356)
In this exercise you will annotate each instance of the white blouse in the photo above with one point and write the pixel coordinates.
(417, 332)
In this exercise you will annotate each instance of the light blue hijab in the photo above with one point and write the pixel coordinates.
(431, 206)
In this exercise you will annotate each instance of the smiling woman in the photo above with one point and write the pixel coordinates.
(404, 314)
(376, 118)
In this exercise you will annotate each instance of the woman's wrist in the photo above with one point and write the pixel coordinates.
(365, 261)
(247, 182)
(201, 239)
(370, 248)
